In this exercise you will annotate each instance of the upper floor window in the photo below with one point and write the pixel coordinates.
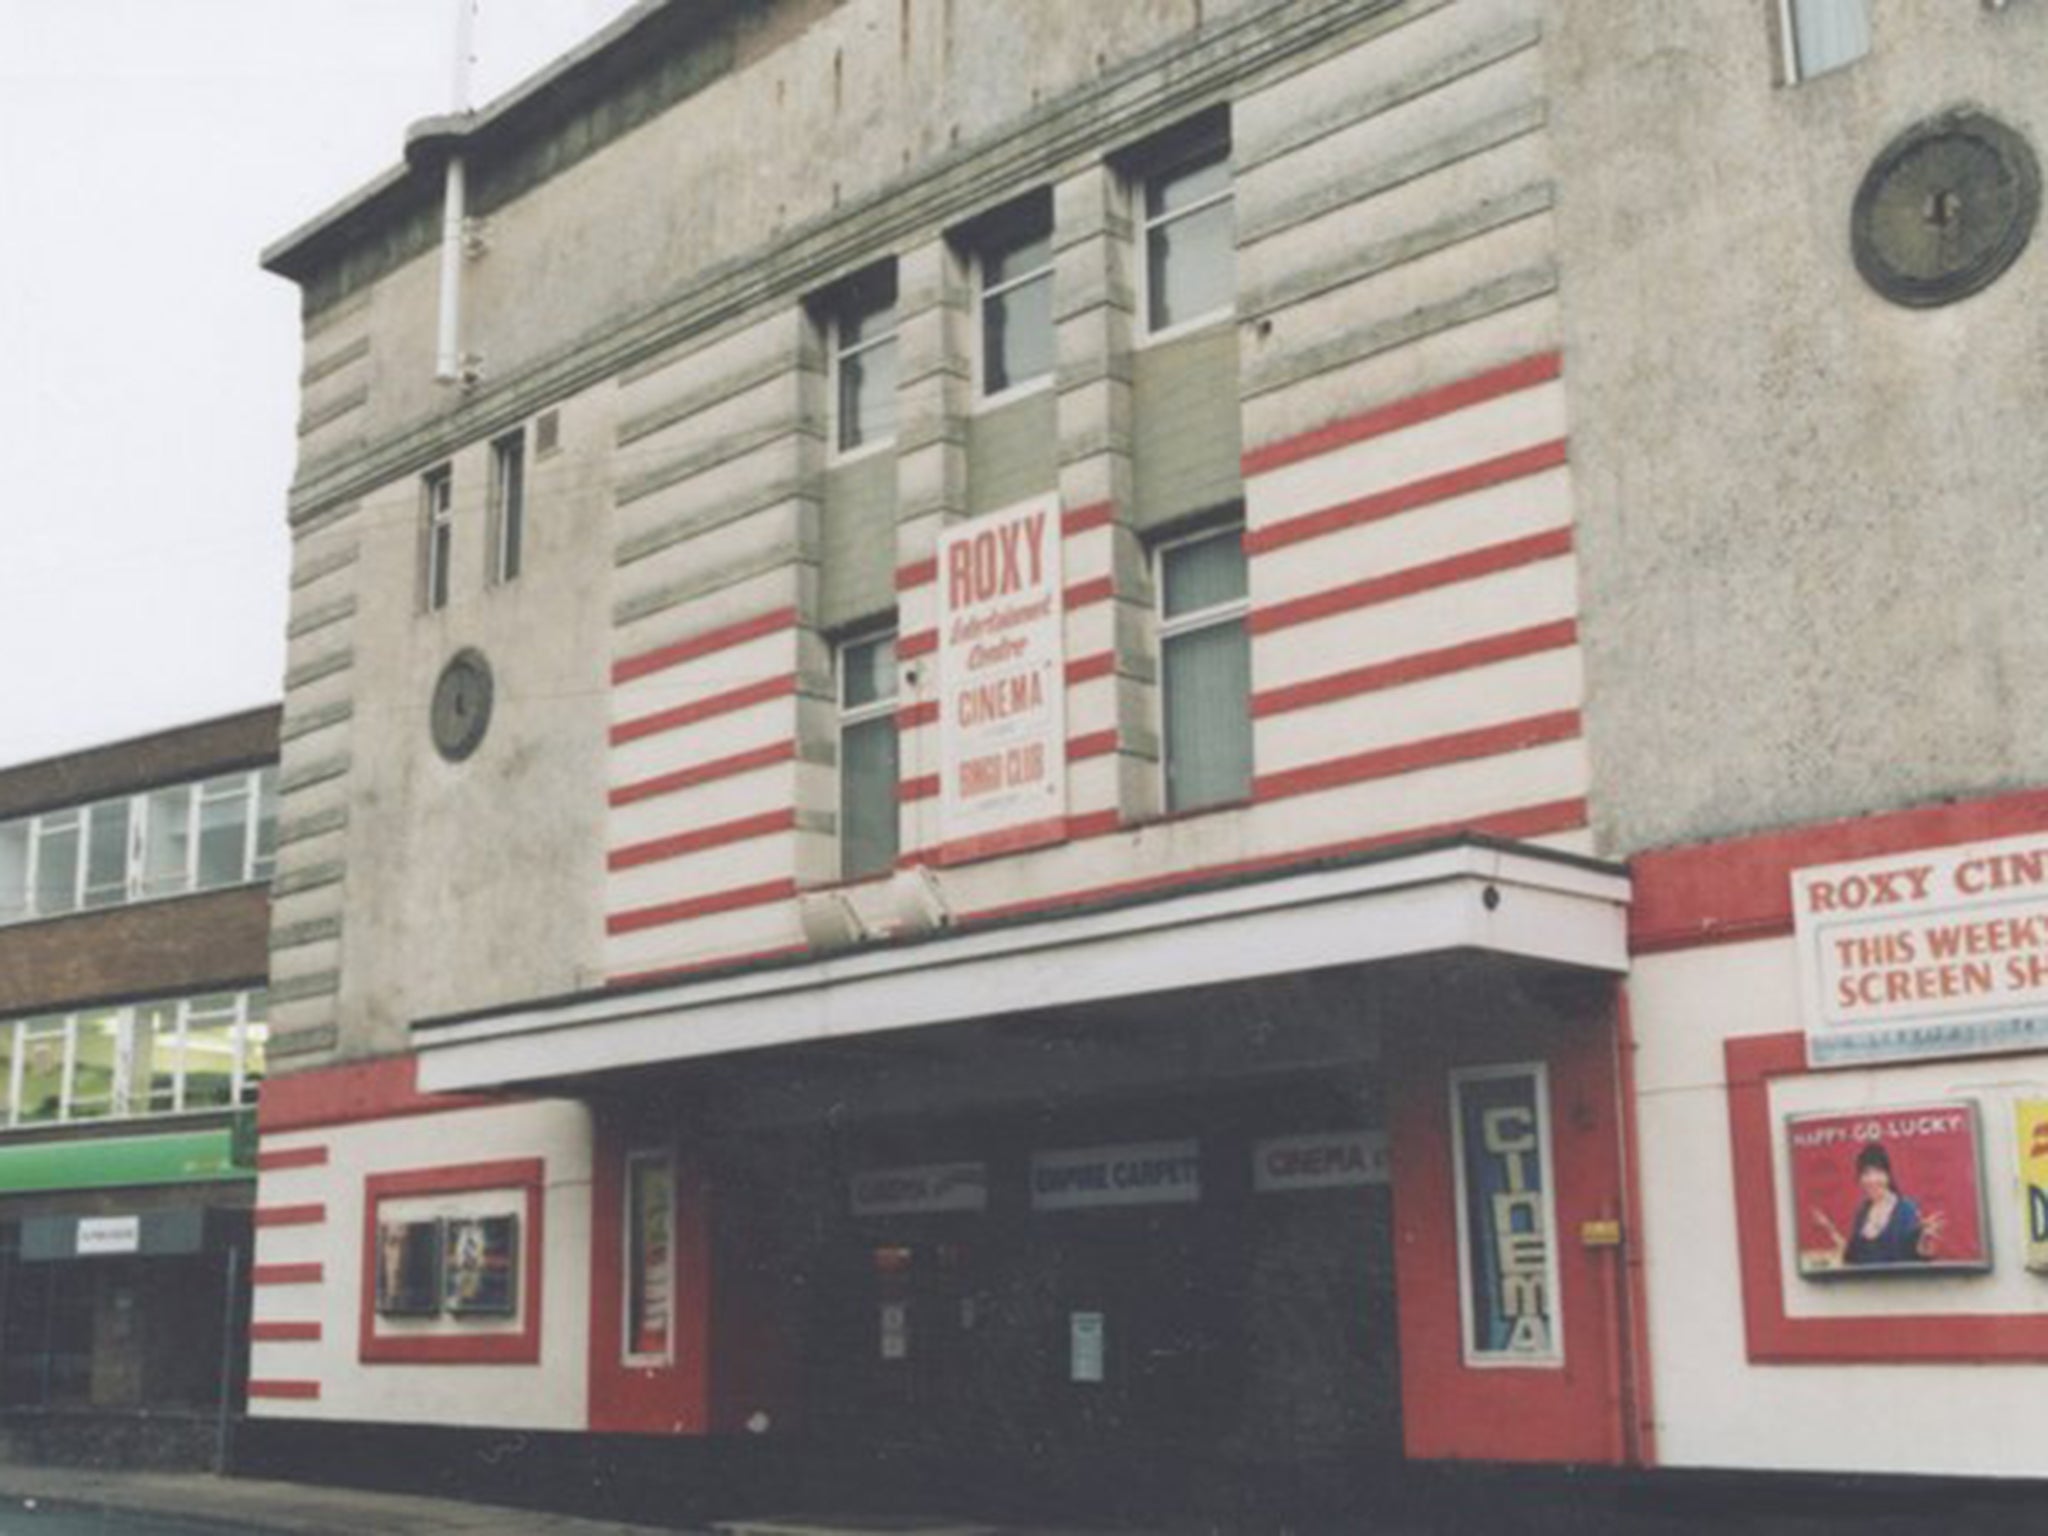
(1205, 669)
(1821, 35)
(437, 503)
(155, 1058)
(861, 327)
(1012, 254)
(508, 505)
(165, 842)
(1189, 232)
(867, 755)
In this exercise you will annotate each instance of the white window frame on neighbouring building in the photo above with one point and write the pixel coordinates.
(151, 1052)
(1185, 194)
(1180, 630)
(1012, 254)
(437, 513)
(860, 335)
(1822, 35)
(508, 506)
(867, 718)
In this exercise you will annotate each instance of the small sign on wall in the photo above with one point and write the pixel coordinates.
(1333, 1160)
(109, 1234)
(1145, 1173)
(480, 1265)
(409, 1268)
(2033, 1150)
(1087, 1347)
(924, 1190)
(1888, 1191)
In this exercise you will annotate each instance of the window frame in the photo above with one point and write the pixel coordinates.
(987, 237)
(1234, 611)
(1793, 65)
(508, 506)
(1213, 139)
(247, 1020)
(437, 532)
(837, 308)
(845, 716)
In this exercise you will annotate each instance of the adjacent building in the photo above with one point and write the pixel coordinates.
(1065, 752)
(134, 962)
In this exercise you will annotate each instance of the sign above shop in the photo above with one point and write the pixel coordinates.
(924, 1190)
(1940, 952)
(1888, 1190)
(1002, 683)
(1333, 1160)
(1150, 1173)
(109, 1234)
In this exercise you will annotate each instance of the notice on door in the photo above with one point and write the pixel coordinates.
(1085, 1346)
(895, 1330)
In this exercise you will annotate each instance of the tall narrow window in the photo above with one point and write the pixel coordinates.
(1205, 670)
(1013, 266)
(867, 755)
(57, 861)
(508, 504)
(167, 841)
(14, 887)
(863, 335)
(1190, 235)
(1821, 35)
(650, 1255)
(106, 854)
(264, 862)
(437, 492)
(224, 827)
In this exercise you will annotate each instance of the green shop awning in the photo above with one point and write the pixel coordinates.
(121, 1162)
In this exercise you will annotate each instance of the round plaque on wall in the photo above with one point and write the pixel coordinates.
(1946, 208)
(461, 711)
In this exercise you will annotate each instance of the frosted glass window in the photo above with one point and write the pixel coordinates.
(1015, 267)
(1826, 34)
(167, 841)
(223, 831)
(57, 858)
(867, 756)
(1190, 238)
(1205, 670)
(106, 861)
(864, 360)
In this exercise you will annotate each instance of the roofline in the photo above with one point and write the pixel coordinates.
(123, 743)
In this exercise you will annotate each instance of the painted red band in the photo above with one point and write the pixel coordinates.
(284, 1333)
(912, 716)
(291, 1157)
(704, 773)
(1411, 756)
(740, 829)
(698, 967)
(708, 643)
(1441, 401)
(700, 906)
(1088, 668)
(1033, 834)
(287, 1274)
(1488, 560)
(921, 643)
(923, 787)
(1416, 668)
(916, 574)
(301, 1391)
(383, 1089)
(1093, 744)
(1097, 514)
(312, 1214)
(1083, 594)
(704, 709)
(1518, 465)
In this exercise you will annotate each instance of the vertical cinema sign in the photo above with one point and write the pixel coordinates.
(1507, 1218)
(1002, 702)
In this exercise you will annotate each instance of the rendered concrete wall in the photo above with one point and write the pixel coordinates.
(1810, 520)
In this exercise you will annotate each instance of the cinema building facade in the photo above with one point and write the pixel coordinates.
(1081, 753)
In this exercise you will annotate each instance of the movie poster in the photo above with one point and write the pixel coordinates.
(650, 1258)
(1888, 1191)
(408, 1268)
(2033, 1129)
(480, 1265)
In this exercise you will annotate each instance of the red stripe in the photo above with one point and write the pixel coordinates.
(291, 1157)
(989, 845)
(1410, 669)
(1405, 498)
(289, 1215)
(1094, 824)
(722, 638)
(917, 789)
(698, 967)
(704, 708)
(284, 1333)
(1093, 744)
(700, 906)
(1527, 821)
(1485, 561)
(922, 643)
(738, 830)
(1441, 401)
(300, 1390)
(1088, 668)
(704, 773)
(382, 1089)
(916, 574)
(911, 716)
(1083, 593)
(287, 1274)
(1409, 756)
(1097, 514)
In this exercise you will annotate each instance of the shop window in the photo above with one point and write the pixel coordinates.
(867, 755)
(1012, 256)
(860, 322)
(437, 503)
(1205, 669)
(1822, 35)
(508, 505)
(1506, 1216)
(1188, 228)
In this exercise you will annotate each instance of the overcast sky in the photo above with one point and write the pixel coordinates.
(148, 150)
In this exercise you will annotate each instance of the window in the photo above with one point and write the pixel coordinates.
(156, 1058)
(1205, 669)
(867, 755)
(1821, 35)
(166, 842)
(1013, 269)
(862, 326)
(508, 504)
(1189, 235)
(437, 492)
